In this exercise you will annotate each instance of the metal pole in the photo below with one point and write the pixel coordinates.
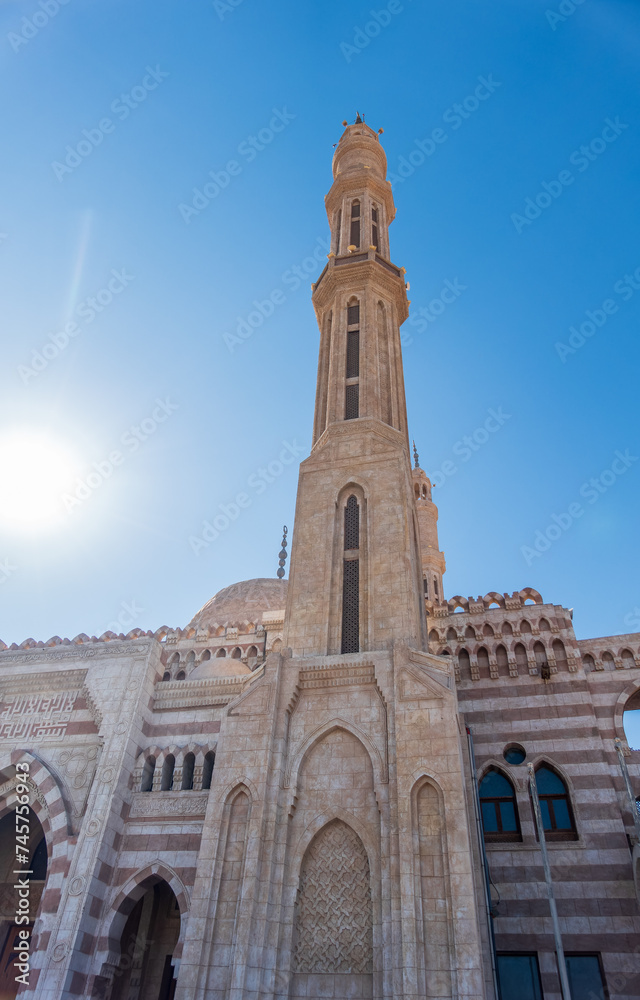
(627, 782)
(562, 968)
(485, 862)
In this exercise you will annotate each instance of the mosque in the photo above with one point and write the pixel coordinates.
(346, 785)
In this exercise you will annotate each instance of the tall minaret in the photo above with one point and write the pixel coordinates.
(356, 571)
(433, 564)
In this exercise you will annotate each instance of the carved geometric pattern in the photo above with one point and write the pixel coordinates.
(334, 920)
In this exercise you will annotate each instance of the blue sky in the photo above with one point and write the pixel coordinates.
(104, 219)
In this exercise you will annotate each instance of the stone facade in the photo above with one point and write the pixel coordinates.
(278, 801)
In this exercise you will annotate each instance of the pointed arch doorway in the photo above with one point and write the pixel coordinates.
(145, 969)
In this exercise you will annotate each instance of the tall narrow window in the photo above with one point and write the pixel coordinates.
(519, 976)
(557, 815)
(338, 228)
(355, 224)
(351, 402)
(384, 367)
(375, 240)
(353, 353)
(351, 525)
(498, 807)
(351, 578)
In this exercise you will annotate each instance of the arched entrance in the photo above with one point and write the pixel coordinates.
(36, 851)
(145, 969)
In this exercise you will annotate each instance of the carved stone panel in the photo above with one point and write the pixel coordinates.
(334, 922)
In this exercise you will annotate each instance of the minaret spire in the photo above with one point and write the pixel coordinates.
(355, 509)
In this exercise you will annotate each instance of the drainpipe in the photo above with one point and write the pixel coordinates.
(627, 784)
(486, 878)
(562, 967)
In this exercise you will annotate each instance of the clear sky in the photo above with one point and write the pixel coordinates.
(121, 274)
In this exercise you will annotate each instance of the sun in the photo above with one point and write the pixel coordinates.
(35, 470)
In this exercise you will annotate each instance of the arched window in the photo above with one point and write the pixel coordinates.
(483, 660)
(557, 815)
(469, 632)
(167, 773)
(425, 584)
(627, 658)
(521, 658)
(451, 635)
(506, 628)
(607, 660)
(544, 625)
(500, 819)
(236, 654)
(187, 772)
(166, 676)
(180, 676)
(221, 652)
(207, 770)
(375, 235)
(338, 231)
(147, 774)
(354, 235)
(560, 654)
(502, 661)
(525, 627)
(205, 656)
(351, 578)
(589, 662)
(540, 654)
(252, 655)
(487, 630)
(465, 665)
(433, 636)
(435, 588)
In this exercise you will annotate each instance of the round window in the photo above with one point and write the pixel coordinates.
(514, 753)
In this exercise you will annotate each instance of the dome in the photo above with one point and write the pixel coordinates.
(242, 602)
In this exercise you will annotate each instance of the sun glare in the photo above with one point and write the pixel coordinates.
(35, 470)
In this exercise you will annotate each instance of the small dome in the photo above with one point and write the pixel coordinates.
(242, 602)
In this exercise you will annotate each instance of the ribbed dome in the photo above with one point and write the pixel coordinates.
(242, 602)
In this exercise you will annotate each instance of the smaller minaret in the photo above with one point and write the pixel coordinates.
(433, 564)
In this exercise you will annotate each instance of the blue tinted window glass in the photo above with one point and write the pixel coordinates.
(494, 784)
(549, 783)
(561, 813)
(489, 820)
(546, 819)
(585, 978)
(508, 816)
(519, 977)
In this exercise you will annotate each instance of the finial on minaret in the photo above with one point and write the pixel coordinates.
(415, 457)
(282, 558)
(358, 120)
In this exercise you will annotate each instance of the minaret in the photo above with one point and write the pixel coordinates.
(433, 564)
(356, 575)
